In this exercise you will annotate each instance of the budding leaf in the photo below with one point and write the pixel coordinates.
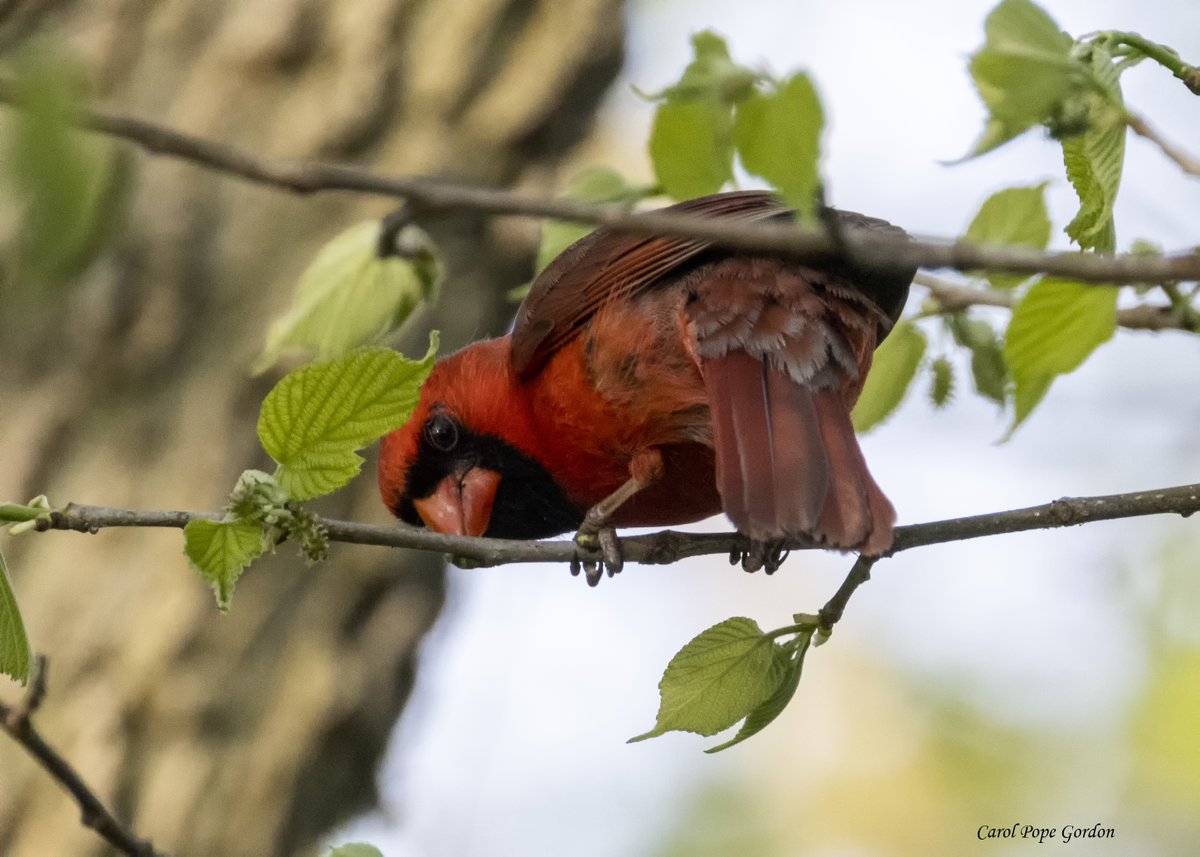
(787, 662)
(1015, 215)
(219, 550)
(712, 75)
(988, 368)
(778, 137)
(714, 681)
(1095, 158)
(691, 148)
(351, 295)
(74, 187)
(15, 654)
(1053, 330)
(894, 366)
(318, 416)
(941, 389)
(1023, 72)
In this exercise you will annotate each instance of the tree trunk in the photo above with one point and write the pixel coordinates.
(250, 733)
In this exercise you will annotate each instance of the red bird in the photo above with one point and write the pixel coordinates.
(652, 381)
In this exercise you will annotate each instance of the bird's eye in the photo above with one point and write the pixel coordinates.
(441, 432)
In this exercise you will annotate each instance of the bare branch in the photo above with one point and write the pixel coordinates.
(949, 297)
(865, 247)
(17, 722)
(1182, 159)
(669, 546)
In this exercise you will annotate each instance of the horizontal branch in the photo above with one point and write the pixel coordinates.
(951, 297)
(17, 722)
(669, 546)
(865, 247)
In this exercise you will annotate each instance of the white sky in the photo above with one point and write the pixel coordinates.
(514, 741)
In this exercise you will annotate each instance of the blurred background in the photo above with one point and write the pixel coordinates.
(1047, 679)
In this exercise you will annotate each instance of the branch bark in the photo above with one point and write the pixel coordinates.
(864, 247)
(670, 546)
(949, 297)
(17, 722)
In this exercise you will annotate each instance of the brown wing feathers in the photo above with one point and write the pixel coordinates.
(783, 351)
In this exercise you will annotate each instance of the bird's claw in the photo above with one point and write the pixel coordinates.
(769, 555)
(601, 539)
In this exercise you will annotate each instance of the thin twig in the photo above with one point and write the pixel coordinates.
(17, 722)
(950, 297)
(866, 247)
(1182, 159)
(669, 546)
(860, 573)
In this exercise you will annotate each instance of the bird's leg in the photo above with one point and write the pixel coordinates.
(597, 531)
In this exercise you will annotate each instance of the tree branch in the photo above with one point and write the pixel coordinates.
(1182, 159)
(864, 247)
(17, 722)
(949, 297)
(669, 546)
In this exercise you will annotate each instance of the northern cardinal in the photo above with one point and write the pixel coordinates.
(651, 381)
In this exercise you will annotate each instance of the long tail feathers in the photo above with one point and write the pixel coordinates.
(788, 463)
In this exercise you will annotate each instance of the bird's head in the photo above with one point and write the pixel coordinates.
(466, 461)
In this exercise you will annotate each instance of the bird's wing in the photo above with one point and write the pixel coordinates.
(606, 266)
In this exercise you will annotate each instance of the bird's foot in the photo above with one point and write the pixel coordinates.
(596, 535)
(769, 555)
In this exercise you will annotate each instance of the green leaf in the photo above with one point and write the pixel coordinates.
(219, 550)
(778, 137)
(15, 654)
(1023, 72)
(1015, 215)
(354, 849)
(988, 368)
(74, 186)
(786, 666)
(712, 75)
(317, 417)
(1053, 330)
(714, 681)
(941, 388)
(1095, 158)
(894, 366)
(690, 147)
(351, 295)
(598, 184)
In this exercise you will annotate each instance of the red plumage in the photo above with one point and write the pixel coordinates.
(659, 381)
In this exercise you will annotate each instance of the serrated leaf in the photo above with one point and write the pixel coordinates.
(892, 370)
(690, 147)
(317, 417)
(941, 387)
(598, 184)
(712, 75)
(778, 137)
(351, 295)
(787, 664)
(1095, 159)
(1015, 215)
(354, 849)
(74, 186)
(1053, 330)
(219, 550)
(714, 681)
(1023, 71)
(16, 657)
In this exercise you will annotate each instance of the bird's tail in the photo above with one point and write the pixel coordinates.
(788, 462)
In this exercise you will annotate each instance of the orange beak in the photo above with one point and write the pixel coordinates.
(462, 503)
